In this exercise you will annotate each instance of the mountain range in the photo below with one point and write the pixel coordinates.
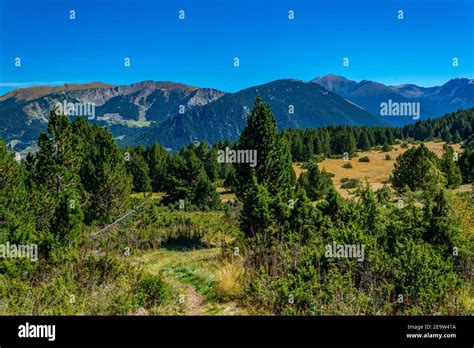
(175, 114)
(434, 101)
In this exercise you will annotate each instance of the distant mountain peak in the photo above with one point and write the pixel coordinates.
(335, 83)
(330, 77)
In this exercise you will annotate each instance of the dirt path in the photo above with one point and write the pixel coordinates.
(194, 301)
(191, 275)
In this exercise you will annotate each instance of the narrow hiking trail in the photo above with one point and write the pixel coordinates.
(191, 274)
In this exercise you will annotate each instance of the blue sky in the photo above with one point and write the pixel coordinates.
(200, 49)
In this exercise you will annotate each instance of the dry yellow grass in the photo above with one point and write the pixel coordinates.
(375, 172)
(228, 280)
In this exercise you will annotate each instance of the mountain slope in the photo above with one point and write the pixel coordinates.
(434, 101)
(24, 113)
(312, 105)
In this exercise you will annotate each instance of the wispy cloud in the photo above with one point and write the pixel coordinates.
(33, 84)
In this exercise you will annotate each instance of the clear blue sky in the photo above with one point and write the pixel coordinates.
(200, 50)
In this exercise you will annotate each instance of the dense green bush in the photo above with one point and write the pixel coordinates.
(151, 290)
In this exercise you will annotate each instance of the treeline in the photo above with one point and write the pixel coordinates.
(452, 128)
(336, 140)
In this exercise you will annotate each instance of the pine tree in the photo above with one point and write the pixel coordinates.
(68, 219)
(456, 137)
(138, 168)
(156, 157)
(363, 143)
(17, 221)
(442, 227)
(417, 169)
(256, 214)
(209, 159)
(273, 168)
(103, 173)
(466, 163)
(55, 175)
(380, 137)
(390, 136)
(59, 157)
(315, 183)
(187, 180)
(450, 169)
(176, 184)
(343, 141)
(334, 205)
(317, 145)
(205, 193)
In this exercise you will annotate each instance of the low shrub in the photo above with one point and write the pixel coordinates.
(347, 165)
(350, 183)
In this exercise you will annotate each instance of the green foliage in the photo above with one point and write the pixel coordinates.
(386, 147)
(335, 140)
(17, 221)
(315, 183)
(151, 290)
(383, 195)
(68, 219)
(408, 265)
(453, 127)
(347, 165)
(343, 141)
(350, 183)
(156, 157)
(138, 169)
(450, 169)
(363, 143)
(209, 159)
(364, 159)
(79, 179)
(273, 168)
(103, 173)
(256, 215)
(466, 161)
(187, 180)
(417, 169)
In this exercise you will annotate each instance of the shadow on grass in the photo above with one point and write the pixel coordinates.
(184, 243)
